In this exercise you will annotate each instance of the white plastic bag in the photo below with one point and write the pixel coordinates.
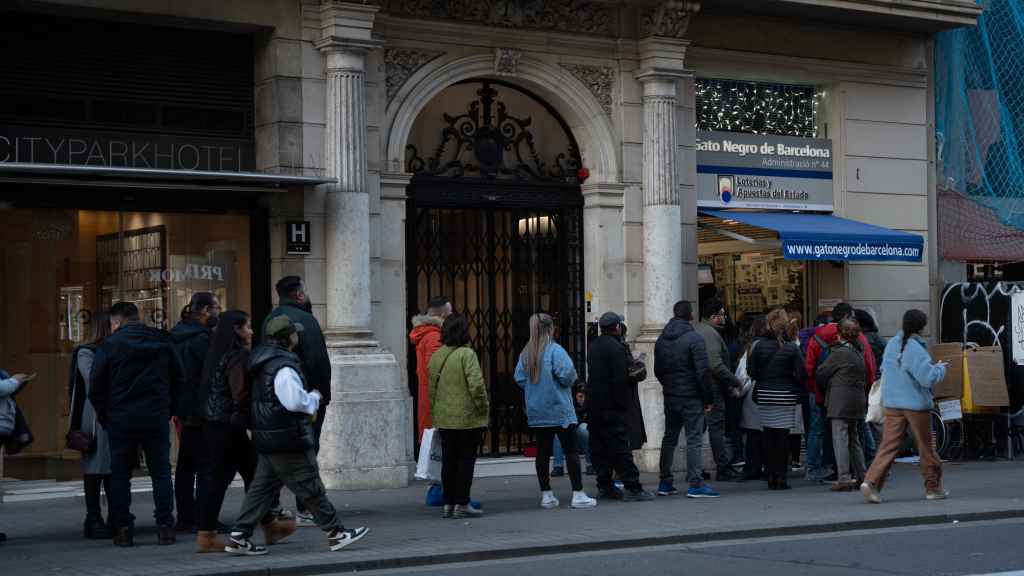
(428, 466)
(876, 412)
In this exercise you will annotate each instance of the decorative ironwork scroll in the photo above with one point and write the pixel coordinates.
(489, 142)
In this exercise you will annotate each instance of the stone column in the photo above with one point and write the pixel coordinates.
(348, 204)
(366, 440)
(662, 67)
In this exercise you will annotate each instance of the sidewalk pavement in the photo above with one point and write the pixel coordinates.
(44, 537)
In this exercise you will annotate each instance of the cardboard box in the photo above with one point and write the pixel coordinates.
(987, 377)
(952, 386)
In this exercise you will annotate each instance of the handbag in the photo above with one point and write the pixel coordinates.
(79, 440)
(21, 436)
(876, 411)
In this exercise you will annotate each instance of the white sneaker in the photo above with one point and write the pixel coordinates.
(304, 520)
(582, 500)
(548, 500)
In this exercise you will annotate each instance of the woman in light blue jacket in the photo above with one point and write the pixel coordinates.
(546, 374)
(908, 377)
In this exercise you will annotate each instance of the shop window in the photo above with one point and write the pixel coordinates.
(58, 267)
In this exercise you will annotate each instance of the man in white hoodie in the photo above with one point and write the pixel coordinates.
(283, 411)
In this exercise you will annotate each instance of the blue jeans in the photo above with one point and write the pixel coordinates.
(867, 441)
(582, 442)
(156, 444)
(816, 441)
(691, 416)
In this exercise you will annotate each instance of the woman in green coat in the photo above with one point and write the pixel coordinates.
(459, 408)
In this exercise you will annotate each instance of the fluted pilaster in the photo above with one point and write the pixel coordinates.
(659, 175)
(348, 208)
(662, 235)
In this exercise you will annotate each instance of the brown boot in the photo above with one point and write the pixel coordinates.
(278, 530)
(209, 541)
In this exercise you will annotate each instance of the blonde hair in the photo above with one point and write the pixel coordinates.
(541, 328)
(778, 323)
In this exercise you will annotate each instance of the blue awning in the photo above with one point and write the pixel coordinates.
(826, 237)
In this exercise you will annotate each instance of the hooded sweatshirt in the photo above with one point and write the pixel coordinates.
(830, 334)
(191, 342)
(426, 338)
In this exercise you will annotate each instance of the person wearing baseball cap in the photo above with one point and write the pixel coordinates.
(283, 411)
(608, 400)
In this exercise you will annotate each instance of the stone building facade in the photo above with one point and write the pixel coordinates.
(340, 93)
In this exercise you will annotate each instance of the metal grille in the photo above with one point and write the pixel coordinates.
(499, 266)
(497, 230)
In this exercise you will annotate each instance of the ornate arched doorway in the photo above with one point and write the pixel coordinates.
(494, 222)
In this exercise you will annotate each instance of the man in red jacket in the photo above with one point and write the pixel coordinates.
(426, 338)
(826, 337)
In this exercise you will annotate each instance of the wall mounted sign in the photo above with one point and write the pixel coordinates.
(123, 150)
(298, 239)
(737, 170)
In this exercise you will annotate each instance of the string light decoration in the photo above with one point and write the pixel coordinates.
(757, 108)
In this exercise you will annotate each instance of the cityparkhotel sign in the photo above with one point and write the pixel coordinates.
(124, 150)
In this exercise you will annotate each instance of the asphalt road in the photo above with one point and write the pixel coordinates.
(953, 549)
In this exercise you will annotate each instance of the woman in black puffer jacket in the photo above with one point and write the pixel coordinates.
(777, 368)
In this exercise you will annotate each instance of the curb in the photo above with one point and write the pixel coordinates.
(530, 551)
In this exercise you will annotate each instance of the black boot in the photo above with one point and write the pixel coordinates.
(166, 535)
(95, 528)
(124, 537)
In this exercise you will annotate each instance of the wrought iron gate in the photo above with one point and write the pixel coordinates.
(502, 243)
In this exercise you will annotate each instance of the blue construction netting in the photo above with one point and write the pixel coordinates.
(979, 97)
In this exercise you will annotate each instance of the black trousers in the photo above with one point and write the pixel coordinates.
(776, 454)
(458, 459)
(610, 451)
(92, 484)
(754, 466)
(190, 472)
(545, 444)
(230, 452)
(124, 457)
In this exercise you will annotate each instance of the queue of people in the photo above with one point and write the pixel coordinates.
(236, 410)
(258, 412)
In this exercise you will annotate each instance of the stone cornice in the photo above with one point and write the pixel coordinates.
(948, 12)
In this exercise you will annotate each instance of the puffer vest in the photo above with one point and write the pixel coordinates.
(274, 428)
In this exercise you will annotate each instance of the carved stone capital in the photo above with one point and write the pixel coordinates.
(670, 19)
(599, 79)
(400, 64)
(506, 61)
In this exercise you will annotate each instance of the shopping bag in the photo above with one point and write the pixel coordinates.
(876, 412)
(428, 466)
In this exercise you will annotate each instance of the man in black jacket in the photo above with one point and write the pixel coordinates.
(312, 352)
(283, 407)
(191, 340)
(681, 365)
(608, 399)
(133, 381)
